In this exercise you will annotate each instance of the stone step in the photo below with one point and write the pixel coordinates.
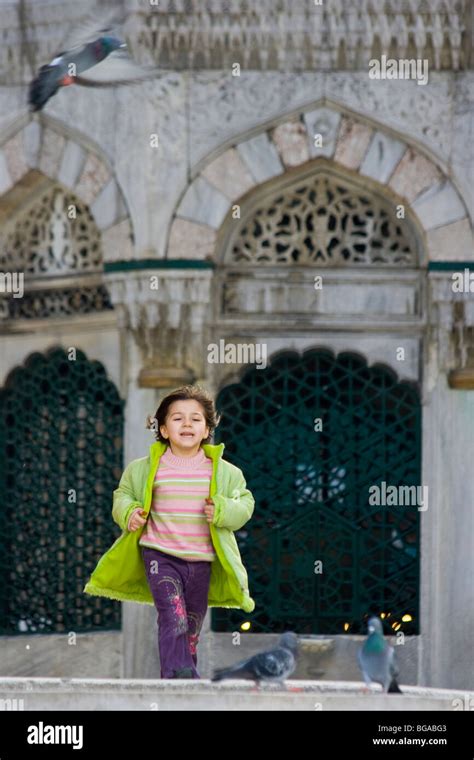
(201, 694)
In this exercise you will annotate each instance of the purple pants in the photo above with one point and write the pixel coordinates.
(180, 592)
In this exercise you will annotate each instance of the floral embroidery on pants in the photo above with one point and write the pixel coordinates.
(176, 599)
(195, 622)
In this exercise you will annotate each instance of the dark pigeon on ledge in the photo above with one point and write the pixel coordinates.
(274, 665)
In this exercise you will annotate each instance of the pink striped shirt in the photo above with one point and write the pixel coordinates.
(177, 522)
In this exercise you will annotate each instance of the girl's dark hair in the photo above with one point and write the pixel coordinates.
(184, 393)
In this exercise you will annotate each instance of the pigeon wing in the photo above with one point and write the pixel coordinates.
(361, 656)
(243, 669)
(117, 69)
(374, 665)
(270, 664)
(393, 663)
(93, 25)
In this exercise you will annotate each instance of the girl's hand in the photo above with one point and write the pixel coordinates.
(137, 520)
(209, 510)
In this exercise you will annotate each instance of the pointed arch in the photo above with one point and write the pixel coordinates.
(312, 484)
(41, 150)
(320, 215)
(61, 433)
(403, 169)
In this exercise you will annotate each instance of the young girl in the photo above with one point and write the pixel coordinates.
(178, 509)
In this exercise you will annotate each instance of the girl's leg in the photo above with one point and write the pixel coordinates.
(166, 577)
(196, 593)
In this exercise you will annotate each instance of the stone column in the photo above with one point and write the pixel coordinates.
(447, 550)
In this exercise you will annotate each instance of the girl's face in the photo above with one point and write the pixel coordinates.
(185, 426)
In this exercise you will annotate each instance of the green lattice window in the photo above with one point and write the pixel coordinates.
(61, 428)
(312, 493)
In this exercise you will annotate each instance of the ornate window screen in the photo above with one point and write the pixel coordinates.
(54, 236)
(311, 490)
(58, 302)
(54, 241)
(61, 430)
(323, 220)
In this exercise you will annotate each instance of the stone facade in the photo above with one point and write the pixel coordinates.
(163, 168)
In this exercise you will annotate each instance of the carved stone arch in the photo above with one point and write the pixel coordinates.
(320, 223)
(62, 216)
(321, 215)
(45, 149)
(353, 142)
(51, 233)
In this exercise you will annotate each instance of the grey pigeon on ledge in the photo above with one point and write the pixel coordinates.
(274, 665)
(377, 659)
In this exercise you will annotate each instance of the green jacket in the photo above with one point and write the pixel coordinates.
(120, 572)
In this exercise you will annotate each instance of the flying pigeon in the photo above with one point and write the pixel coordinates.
(274, 665)
(94, 47)
(377, 659)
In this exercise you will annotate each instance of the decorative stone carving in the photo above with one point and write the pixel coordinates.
(323, 220)
(292, 143)
(55, 244)
(57, 302)
(290, 35)
(196, 34)
(451, 323)
(46, 240)
(165, 311)
(323, 122)
(38, 149)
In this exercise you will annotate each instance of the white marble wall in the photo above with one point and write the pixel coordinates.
(447, 551)
(96, 335)
(225, 110)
